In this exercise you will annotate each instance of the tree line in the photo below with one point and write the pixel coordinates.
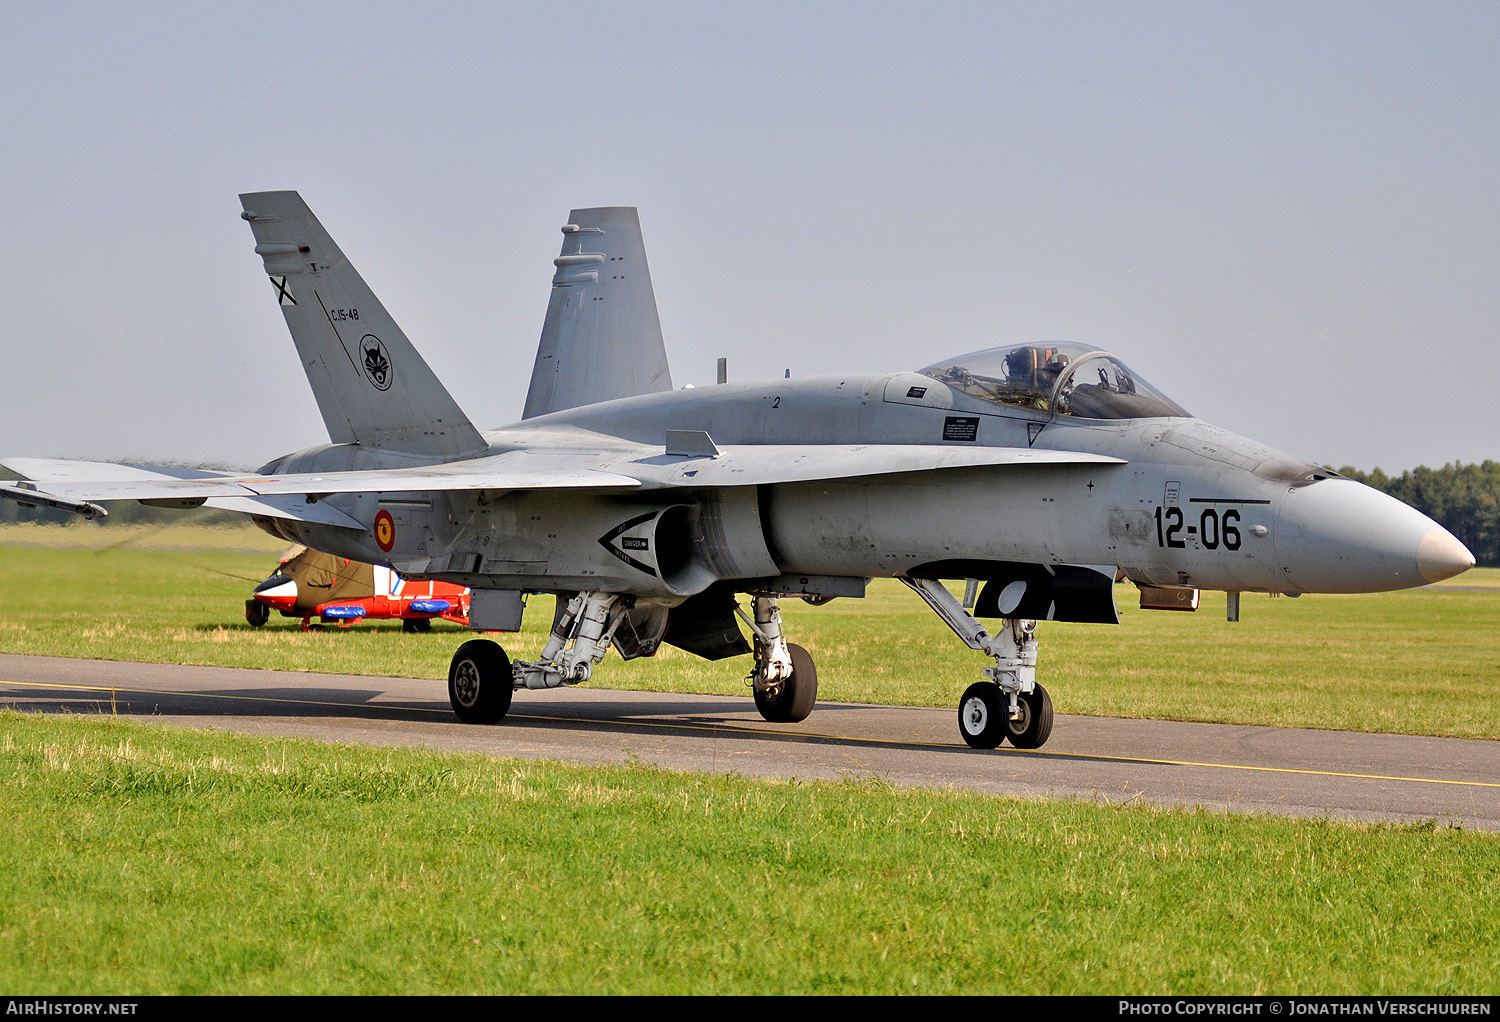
(1464, 499)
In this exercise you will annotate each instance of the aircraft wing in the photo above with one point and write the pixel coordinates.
(74, 485)
(762, 464)
(645, 467)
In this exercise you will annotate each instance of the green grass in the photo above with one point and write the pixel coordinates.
(1423, 662)
(143, 859)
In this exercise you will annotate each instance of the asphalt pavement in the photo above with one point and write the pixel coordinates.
(1286, 771)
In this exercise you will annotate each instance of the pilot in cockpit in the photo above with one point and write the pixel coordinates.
(1059, 379)
(1034, 370)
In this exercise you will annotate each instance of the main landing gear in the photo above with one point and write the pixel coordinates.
(784, 679)
(1010, 704)
(1007, 705)
(481, 678)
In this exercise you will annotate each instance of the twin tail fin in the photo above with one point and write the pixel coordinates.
(370, 383)
(601, 339)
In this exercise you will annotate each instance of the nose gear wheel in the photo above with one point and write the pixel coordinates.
(981, 715)
(1033, 723)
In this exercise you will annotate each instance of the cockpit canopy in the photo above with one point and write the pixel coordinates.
(1065, 379)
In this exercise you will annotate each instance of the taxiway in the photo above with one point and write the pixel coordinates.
(1221, 766)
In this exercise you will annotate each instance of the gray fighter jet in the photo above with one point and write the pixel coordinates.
(1038, 475)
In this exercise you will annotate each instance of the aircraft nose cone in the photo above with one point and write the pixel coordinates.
(1339, 536)
(277, 590)
(1440, 555)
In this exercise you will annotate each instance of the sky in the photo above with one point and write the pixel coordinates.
(1283, 215)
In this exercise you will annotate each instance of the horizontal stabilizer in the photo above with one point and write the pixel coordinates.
(287, 508)
(514, 470)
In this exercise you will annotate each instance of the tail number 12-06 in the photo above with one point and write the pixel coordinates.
(1214, 528)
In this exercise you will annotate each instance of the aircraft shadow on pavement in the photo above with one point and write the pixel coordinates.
(724, 718)
(733, 727)
(247, 703)
(322, 703)
(601, 716)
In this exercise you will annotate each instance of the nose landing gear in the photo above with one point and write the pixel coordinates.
(1010, 704)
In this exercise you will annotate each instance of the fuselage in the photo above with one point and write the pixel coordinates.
(1189, 505)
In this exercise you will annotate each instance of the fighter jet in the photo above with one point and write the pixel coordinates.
(1037, 475)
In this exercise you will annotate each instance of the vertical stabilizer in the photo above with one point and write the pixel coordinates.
(602, 337)
(370, 384)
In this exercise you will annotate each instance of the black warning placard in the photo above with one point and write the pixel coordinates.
(963, 428)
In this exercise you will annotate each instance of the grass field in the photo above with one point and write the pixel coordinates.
(1423, 661)
(147, 859)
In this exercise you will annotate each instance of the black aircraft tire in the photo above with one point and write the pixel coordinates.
(803, 686)
(480, 682)
(1034, 727)
(982, 714)
(416, 624)
(770, 709)
(256, 613)
(799, 693)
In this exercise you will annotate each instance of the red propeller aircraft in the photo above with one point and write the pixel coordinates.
(309, 583)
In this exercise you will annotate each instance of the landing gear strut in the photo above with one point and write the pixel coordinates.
(580, 638)
(784, 679)
(1010, 704)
